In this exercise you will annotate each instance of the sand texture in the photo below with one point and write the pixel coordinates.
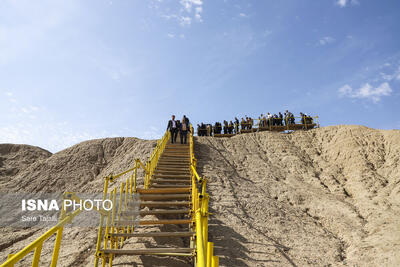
(325, 197)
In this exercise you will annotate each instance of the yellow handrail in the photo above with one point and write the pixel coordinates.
(38, 243)
(152, 162)
(204, 249)
(127, 191)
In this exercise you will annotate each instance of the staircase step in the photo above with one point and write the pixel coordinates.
(176, 152)
(148, 251)
(156, 222)
(164, 191)
(155, 212)
(156, 234)
(163, 203)
(174, 160)
(172, 176)
(173, 156)
(174, 164)
(178, 166)
(176, 181)
(168, 186)
(172, 171)
(173, 168)
(170, 154)
(164, 196)
(180, 151)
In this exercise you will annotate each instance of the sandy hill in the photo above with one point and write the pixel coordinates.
(328, 196)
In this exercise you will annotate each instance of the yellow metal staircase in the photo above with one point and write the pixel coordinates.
(168, 198)
(170, 193)
(171, 196)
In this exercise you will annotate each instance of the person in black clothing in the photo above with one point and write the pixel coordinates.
(186, 119)
(230, 127)
(217, 128)
(243, 124)
(236, 125)
(183, 130)
(302, 117)
(225, 127)
(209, 130)
(173, 128)
(280, 119)
(203, 129)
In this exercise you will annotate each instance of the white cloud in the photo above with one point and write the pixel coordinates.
(366, 91)
(390, 77)
(153, 133)
(326, 40)
(189, 11)
(345, 90)
(188, 4)
(243, 15)
(185, 21)
(344, 3)
(10, 97)
(198, 11)
(341, 3)
(29, 109)
(170, 35)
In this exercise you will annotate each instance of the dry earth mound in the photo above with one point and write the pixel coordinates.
(15, 158)
(80, 168)
(328, 196)
(325, 197)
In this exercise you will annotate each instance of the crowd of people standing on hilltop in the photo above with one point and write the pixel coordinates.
(246, 123)
(175, 126)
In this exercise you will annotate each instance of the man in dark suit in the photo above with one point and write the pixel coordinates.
(173, 128)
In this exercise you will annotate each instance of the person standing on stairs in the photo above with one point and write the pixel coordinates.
(183, 130)
(186, 119)
(173, 128)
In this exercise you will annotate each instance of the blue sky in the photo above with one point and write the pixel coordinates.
(76, 70)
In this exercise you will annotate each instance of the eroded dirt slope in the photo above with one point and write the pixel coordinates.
(324, 197)
(80, 168)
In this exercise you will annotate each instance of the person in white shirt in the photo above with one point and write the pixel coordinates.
(173, 128)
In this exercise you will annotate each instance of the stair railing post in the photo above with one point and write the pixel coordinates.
(112, 242)
(210, 252)
(119, 213)
(108, 222)
(201, 260)
(100, 231)
(215, 261)
(135, 181)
